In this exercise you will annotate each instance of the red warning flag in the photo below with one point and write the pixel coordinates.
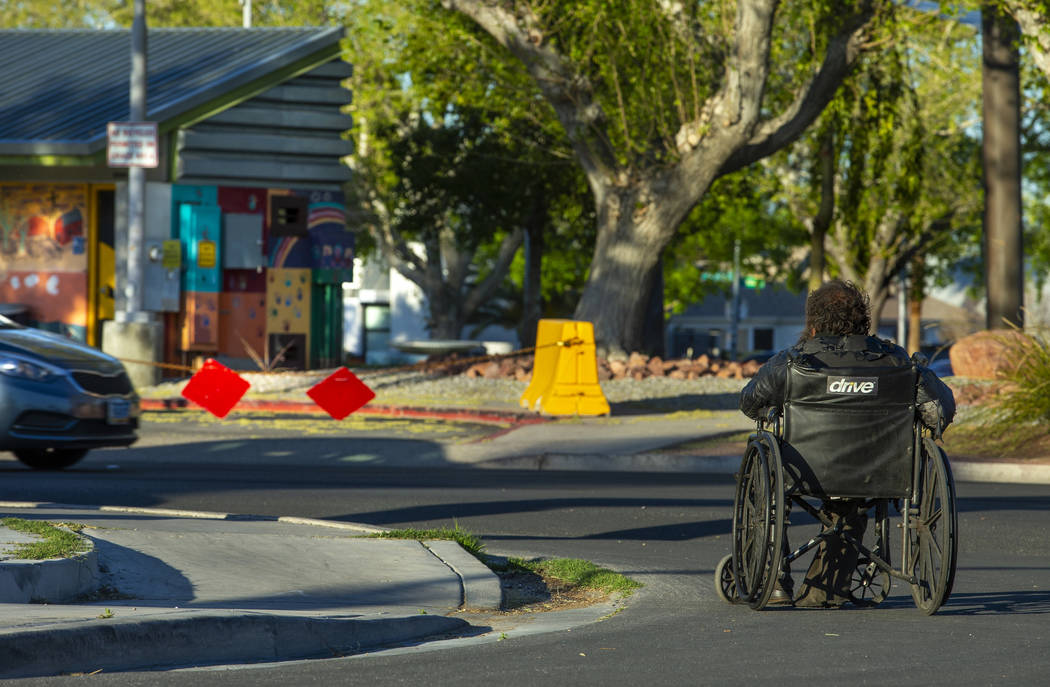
(340, 393)
(216, 388)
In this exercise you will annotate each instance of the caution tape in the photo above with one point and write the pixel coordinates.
(169, 366)
(423, 365)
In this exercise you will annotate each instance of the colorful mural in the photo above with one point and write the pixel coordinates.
(242, 307)
(243, 324)
(331, 242)
(44, 253)
(199, 321)
(328, 244)
(288, 301)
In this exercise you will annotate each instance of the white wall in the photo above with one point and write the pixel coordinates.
(353, 326)
(407, 310)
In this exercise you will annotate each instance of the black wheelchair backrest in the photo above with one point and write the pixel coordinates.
(850, 431)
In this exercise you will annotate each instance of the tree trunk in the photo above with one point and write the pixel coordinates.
(653, 329)
(532, 297)
(1004, 251)
(446, 318)
(825, 213)
(627, 251)
(916, 294)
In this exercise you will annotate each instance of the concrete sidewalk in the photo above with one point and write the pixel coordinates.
(171, 588)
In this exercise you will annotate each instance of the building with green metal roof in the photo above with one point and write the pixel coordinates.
(246, 236)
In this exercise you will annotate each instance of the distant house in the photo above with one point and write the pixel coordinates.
(773, 317)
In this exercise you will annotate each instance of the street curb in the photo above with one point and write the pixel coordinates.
(991, 471)
(481, 586)
(963, 470)
(215, 638)
(57, 580)
(195, 514)
(636, 462)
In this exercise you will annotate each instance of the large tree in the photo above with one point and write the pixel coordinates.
(659, 98)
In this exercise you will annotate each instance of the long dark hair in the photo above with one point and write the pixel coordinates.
(838, 308)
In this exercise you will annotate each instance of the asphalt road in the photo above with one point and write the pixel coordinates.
(666, 530)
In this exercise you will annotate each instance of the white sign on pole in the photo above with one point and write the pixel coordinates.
(132, 144)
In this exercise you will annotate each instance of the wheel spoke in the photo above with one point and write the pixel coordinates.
(933, 546)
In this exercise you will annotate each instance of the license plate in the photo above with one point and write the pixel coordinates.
(118, 411)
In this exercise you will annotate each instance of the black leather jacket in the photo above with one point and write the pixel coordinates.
(935, 400)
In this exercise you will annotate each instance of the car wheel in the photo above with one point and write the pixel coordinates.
(50, 458)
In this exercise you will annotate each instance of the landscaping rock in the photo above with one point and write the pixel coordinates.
(984, 354)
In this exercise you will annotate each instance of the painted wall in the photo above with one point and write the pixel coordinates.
(266, 276)
(44, 253)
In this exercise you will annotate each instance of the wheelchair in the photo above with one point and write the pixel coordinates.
(845, 435)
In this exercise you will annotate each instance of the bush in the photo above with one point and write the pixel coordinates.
(1027, 372)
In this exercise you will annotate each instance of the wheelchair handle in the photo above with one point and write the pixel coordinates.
(770, 417)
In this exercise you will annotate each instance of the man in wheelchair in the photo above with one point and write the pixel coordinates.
(838, 321)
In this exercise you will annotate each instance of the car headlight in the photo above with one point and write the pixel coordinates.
(16, 367)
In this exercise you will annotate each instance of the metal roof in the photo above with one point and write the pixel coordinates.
(59, 88)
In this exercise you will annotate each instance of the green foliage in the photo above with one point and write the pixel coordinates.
(166, 13)
(649, 76)
(1027, 398)
(906, 155)
(747, 206)
(55, 542)
(38, 14)
(45, 14)
(1036, 150)
(456, 150)
(654, 65)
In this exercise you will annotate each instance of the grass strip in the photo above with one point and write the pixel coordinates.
(55, 542)
(565, 572)
(580, 574)
(470, 542)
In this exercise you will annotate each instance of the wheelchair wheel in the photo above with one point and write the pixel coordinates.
(932, 533)
(725, 583)
(870, 583)
(758, 521)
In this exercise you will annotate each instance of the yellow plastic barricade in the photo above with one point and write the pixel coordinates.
(565, 371)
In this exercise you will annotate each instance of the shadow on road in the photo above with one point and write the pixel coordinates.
(985, 603)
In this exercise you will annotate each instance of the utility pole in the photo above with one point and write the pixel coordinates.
(132, 287)
(1003, 246)
(902, 309)
(134, 333)
(246, 13)
(734, 313)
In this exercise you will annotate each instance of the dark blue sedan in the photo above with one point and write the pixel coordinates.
(59, 398)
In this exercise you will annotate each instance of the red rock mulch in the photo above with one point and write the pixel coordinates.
(637, 366)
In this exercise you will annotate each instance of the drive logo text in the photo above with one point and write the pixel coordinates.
(868, 386)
